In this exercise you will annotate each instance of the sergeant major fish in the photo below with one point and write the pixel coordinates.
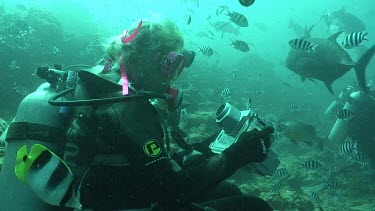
(241, 46)
(302, 44)
(354, 39)
(238, 18)
(206, 50)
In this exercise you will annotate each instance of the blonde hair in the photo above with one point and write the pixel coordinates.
(151, 39)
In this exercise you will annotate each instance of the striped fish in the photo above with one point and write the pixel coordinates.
(314, 197)
(335, 185)
(280, 174)
(343, 178)
(361, 157)
(354, 39)
(348, 148)
(310, 165)
(277, 187)
(238, 19)
(241, 46)
(226, 93)
(280, 127)
(302, 44)
(206, 50)
(47, 175)
(344, 114)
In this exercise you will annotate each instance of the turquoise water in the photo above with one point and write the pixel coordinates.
(38, 33)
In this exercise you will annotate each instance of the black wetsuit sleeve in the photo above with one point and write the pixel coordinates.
(174, 190)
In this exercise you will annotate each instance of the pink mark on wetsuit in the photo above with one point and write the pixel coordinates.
(125, 39)
(125, 83)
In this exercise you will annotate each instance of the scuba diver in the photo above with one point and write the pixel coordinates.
(103, 145)
(355, 113)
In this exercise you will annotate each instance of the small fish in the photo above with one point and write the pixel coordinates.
(361, 157)
(369, 171)
(280, 127)
(314, 197)
(249, 103)
(247, 3)
(286, 84)
(335, 185)
(22, 90)
(206, 50)
(295, 107)
(13, 32)
(302, 44)
(258, 92)
(47, 175)
(226, 92)
(221, 9)
(277, 187)
(188, 19)
(354, 39)
(238, 19)
(344, 114)
(348, 148)
(280, 174)
(335, 169)
(235, 73)
(310, 165)
(51, 50)
(13, 65)
(241, 46)
(343, 178)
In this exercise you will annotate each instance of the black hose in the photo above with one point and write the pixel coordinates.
(100, 101)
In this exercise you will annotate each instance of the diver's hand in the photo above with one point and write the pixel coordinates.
(252, 146)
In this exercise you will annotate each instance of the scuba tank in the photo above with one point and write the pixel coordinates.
(36, 122)
(340, 129)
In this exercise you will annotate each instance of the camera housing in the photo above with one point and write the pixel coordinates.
(233, 123)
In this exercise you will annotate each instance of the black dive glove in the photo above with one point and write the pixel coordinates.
(252, 146)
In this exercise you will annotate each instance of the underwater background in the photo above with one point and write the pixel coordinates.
(251, 75)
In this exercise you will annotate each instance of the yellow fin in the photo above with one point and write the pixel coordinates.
(21, 166)
(23, 163)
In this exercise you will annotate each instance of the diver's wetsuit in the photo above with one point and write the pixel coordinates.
(143, 173)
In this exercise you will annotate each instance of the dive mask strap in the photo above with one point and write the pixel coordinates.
(124, 77)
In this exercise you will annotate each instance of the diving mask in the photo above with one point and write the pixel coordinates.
(174, 62)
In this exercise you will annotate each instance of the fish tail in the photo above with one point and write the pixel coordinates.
(360, 68)
(313, 47)
(364, 36)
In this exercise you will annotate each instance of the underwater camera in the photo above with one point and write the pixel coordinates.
(233, 123)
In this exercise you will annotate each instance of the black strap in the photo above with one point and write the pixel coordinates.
(26, 130)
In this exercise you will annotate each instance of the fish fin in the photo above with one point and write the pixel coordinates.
(334, 36)
(313, 47)
(307, 33)
(329, 87)
(360, 68)
(22, 164)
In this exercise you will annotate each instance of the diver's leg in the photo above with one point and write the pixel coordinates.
(238, 203)
(224, 189)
